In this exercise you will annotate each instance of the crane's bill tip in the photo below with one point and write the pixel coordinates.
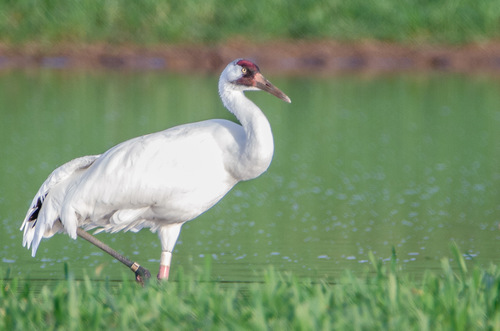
(277, 93)
(261, 83)
(282, 96)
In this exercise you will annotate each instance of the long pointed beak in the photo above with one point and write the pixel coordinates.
(262, 83)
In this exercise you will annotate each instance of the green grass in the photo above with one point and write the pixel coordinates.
(383, 299)
(206, 21)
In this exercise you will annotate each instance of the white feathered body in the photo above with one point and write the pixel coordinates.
(160, 180)
(151, 181)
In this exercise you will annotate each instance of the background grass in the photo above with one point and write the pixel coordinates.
(205, 21)
(382, 299)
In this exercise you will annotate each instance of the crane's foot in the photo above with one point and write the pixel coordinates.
(142, 274)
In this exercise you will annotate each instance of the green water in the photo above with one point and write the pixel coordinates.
(361, 164)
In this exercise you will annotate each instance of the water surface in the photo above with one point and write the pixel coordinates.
(361, 164)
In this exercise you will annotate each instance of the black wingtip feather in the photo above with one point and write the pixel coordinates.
(34, 214)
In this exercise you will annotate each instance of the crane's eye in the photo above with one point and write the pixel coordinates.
(244, 70)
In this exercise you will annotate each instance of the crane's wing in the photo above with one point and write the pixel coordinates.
(57, 176)
(166, 177)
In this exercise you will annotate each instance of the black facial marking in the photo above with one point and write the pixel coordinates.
(248, 71)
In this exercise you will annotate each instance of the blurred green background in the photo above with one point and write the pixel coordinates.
(204, 21)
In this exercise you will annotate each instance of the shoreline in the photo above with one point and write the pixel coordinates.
(296, 57)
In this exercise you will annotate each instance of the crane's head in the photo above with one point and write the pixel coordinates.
(245, 75)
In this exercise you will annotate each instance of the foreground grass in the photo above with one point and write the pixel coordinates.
(382, 300)
(153, 21)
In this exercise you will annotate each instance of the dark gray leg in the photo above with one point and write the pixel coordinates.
(141, 274)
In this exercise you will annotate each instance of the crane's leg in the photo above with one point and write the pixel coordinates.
(168, 236)
(166, 258)
(141, 273)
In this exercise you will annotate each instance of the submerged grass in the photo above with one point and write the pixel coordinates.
(385, 299)
(154, 21)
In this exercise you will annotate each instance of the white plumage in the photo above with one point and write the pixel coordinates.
(160, 180)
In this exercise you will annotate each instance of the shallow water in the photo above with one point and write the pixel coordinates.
(361, 164)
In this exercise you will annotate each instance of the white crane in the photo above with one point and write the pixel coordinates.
(161, 180)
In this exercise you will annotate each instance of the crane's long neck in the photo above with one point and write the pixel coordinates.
(256, 151)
